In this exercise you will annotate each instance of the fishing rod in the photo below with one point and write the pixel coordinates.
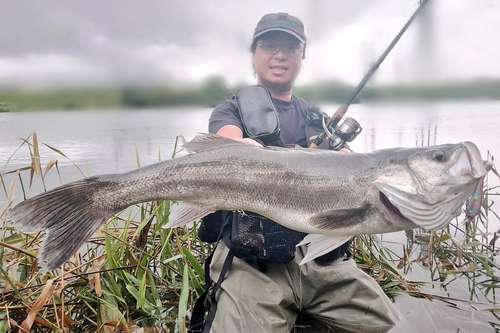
(337, 116)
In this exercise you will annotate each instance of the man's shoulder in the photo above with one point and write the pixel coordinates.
(224, 113)
(228, 104)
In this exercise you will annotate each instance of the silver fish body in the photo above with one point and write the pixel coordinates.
(313, 191)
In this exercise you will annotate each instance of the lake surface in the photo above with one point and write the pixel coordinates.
(111, 141)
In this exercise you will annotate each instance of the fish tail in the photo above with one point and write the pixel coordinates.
(69, 215)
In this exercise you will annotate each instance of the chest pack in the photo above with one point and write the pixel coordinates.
(258, 114)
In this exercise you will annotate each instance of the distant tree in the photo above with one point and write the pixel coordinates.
(214, 89)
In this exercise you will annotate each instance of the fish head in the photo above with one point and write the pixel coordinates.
(429, 185)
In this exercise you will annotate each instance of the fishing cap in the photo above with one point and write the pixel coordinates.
(280, 22)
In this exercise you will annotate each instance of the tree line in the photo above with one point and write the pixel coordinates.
(215, 89)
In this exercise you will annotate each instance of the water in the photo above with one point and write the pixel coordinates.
(103, 141)
(108, 141)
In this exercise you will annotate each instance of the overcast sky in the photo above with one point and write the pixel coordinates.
(101, 42)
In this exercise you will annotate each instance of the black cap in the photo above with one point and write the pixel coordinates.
(281, 22)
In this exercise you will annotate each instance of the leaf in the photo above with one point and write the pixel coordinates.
(95, 280)
(3, 326)
(154, 291)
(43, 322)
(49, 166)
(138, 289)
(56, 150)
(62, 154)
(11, 272)
(474, 244)
(194, 262)
(133, 291)
(466, 269)
(109, 315)
(183, 300)
(35, 157)
(143, 223)
(66, 319)
(142, 291)
(381, 275)
(137, 158)
(115, 289)
(11, 196)
(489, 285)
(18, 170)
(40, 302)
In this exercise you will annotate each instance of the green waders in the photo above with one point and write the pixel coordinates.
(338, 294)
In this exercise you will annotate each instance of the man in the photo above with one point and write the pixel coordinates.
(268, 298)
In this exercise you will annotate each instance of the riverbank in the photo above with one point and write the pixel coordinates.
(211, 91)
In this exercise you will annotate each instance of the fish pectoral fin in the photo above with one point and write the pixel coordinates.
(340, 218)
(317, 245)
(182, 213)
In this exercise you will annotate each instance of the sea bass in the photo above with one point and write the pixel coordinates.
(331, 195)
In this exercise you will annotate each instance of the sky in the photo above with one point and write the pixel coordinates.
(70, 43)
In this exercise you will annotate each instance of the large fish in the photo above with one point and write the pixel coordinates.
(314, 191)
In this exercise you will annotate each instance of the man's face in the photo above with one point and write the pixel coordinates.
(277, 70)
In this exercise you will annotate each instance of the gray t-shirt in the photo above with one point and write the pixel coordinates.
(292, 120)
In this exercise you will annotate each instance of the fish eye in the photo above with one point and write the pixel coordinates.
(439, 156)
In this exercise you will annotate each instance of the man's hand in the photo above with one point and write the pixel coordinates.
(249, 141)
(235, 133)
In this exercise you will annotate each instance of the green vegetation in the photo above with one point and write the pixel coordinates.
(16, 100)
(338, 91)
(133, 273)
(209, 92)
(480, 89)
(214, 89)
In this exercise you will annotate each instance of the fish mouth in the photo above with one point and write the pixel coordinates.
(479, 167)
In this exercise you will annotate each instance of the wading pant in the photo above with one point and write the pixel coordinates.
(340, 295)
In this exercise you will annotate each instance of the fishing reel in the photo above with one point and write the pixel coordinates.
(346, 130)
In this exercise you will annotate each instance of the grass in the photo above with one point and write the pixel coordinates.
(135, 274)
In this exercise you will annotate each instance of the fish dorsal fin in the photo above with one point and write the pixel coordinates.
(182, 213)
(209, 141)
(317, 245)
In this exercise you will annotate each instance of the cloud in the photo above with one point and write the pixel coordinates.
(47, 70)
(71, 42)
